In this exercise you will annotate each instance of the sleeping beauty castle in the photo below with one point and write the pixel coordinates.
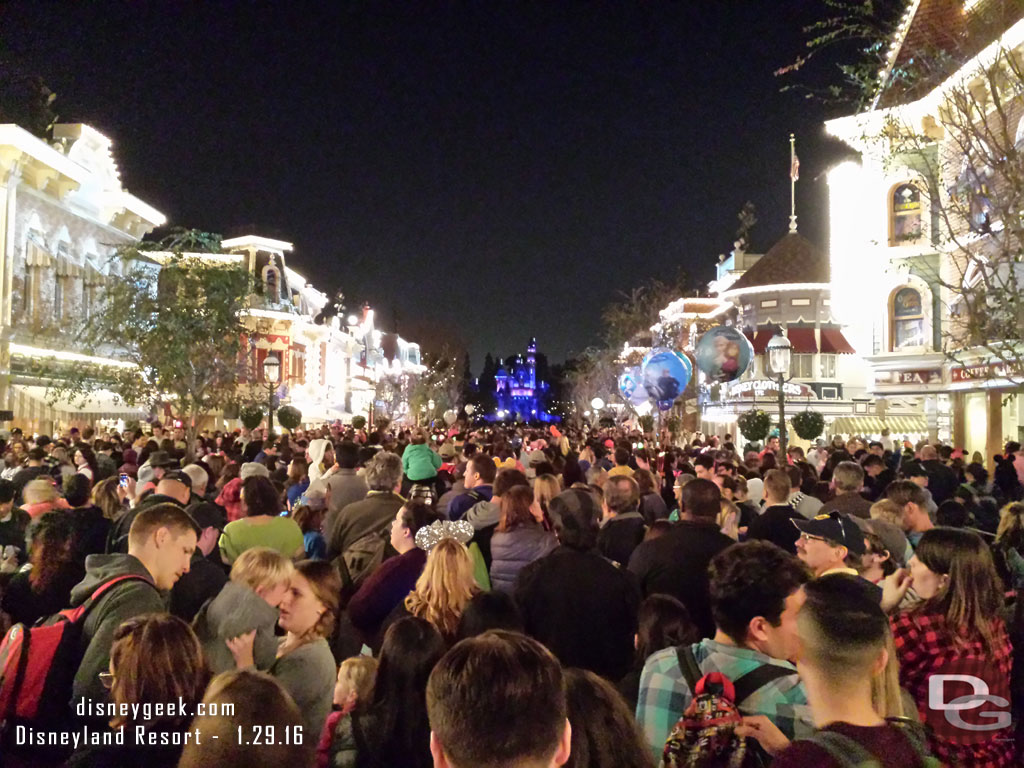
(518, 393)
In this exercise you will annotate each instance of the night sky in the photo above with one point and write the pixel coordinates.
(483, 172)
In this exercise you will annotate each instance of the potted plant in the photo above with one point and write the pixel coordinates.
(289, 417)
(809, 424)
(251, 416)
(754, 424)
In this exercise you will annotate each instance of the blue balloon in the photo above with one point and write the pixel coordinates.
(723, 354)
(631, 386)
(664, 405)
(665, 375)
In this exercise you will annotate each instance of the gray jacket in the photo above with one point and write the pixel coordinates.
(235, 611)
(484, 514)
(308, 674)
(124, 601)
(512, 550)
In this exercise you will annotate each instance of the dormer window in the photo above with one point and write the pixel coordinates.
(272, 284)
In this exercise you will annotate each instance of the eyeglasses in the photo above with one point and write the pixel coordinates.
(107, 679)
(811, 537)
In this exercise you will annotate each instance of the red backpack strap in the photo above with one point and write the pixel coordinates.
(78, 612)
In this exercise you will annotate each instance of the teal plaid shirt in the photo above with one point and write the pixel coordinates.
(664, 694)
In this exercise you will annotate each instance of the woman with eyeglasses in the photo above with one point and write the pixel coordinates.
(156, 661)
(956, 629)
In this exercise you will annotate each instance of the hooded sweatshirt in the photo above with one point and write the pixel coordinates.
(317, 449)
(235, 611)
(124, 601)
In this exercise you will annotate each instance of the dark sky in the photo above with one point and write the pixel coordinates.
(485, 170)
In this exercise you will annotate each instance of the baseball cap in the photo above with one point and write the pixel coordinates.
(835, 527)
(208, 515)
(179, 476)
(253, 469)
(447, 451)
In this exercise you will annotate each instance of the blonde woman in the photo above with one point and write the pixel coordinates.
(729, 519)
(444, 588)
(545, 488)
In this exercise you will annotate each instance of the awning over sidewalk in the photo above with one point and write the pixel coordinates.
(36, 402)
(873, 425)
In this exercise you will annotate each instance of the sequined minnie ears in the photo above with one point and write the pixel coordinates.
(428, 536)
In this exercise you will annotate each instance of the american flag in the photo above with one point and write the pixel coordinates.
(794, 167)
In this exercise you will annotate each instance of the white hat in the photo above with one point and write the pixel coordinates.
(253, 469)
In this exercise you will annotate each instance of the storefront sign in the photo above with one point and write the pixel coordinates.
(916, 376)
(985, 371)
(760, 387)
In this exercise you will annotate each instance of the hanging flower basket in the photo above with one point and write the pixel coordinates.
(251, 416)
(289, 417)
(754, 424)
(809, 424)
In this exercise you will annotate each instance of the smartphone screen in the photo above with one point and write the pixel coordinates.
(124, 481)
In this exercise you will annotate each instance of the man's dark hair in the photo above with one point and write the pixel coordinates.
(621, 457)
(873, 460)
(497, 700)
(76, 489)
(842, 626)
(705, 460)
(484, 466)
(904, 492)
(622, 494)
(346, 454)
(577, 519)
(702, 498)
(260, 496)
(36, 454)
(469, 450)
(945, 452)
(508, 478)
(487, 611)
(796, 477)
(157, 516)
(7, 491)
(876, 444)
(749, 580)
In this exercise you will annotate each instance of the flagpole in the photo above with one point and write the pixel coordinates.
(792, 182)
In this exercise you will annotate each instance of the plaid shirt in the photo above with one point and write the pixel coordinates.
(664, 694)
(925, 646)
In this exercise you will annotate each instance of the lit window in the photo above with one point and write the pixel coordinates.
(828, 366)
(802, 367)
(906, 214)
(907, 314)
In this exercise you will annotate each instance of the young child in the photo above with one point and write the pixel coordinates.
(354, 688)
(259, 581)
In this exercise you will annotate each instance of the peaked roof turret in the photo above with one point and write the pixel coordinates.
(793, 259)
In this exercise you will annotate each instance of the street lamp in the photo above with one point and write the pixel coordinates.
(779, 351)
(272, 375)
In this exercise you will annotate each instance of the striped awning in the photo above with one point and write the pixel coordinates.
(35, 402)
(36, 255)
(873, 425)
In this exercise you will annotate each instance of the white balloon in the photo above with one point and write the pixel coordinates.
(597, 403)
(450, 417)
(470, 409)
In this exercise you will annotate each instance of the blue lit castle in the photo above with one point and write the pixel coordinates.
(518, 394)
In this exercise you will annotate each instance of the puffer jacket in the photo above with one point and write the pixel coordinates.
(515, 549)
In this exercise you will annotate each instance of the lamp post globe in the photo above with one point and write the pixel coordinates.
(779, 355)
(597, 403)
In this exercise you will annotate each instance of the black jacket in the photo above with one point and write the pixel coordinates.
(677, 564)
(942, 481)
(620, 535)
(775, 525)
(582, 608)
(204, 580)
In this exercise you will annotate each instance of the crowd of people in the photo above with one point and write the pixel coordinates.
(509, 596)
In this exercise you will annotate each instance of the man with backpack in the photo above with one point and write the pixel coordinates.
(843, 633)
(160, 546)
(756, 592)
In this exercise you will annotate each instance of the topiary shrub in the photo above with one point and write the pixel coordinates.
(809, 424)
(289, 417)
(754, 424)
(251, 416)
(647, 423)
(358, 422)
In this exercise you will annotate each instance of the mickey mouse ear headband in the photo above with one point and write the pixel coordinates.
(428, 536)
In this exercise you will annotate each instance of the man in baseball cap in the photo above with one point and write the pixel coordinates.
(830, 543)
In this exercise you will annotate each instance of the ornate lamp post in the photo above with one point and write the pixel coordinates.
(272, 375)
(779, 352)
